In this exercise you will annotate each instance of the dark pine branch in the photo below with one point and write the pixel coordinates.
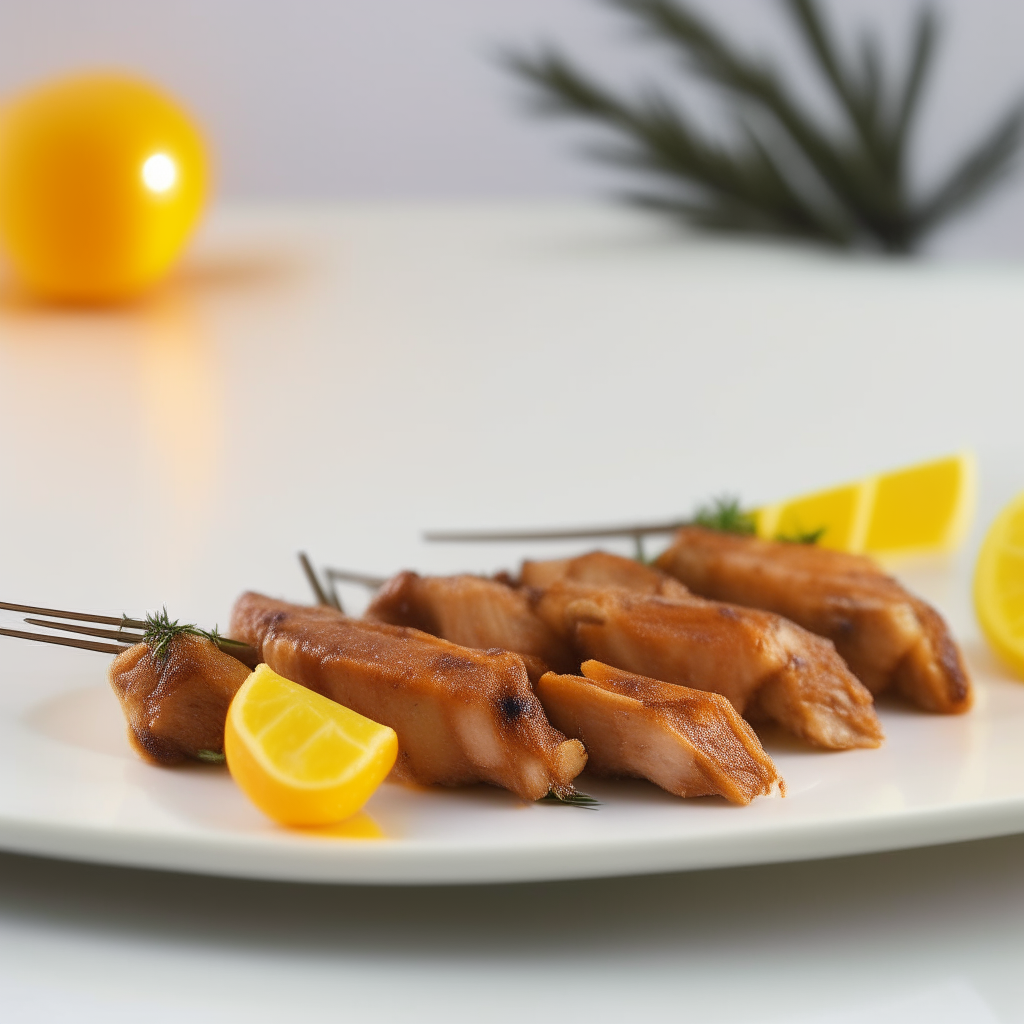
(976, 173)
(922, 52)
(784, 173)
(697, 179)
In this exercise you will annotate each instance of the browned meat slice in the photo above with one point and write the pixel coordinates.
(765, 665)
(599, 569)
(175, 705)
(888, 637)
(474, 612)
(689, 742)
(462, 715)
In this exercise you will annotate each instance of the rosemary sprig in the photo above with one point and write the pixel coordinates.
(784, 172)
(573, 799)
(160, 631)
(726, 514)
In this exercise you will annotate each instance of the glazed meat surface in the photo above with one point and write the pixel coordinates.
(889, 638)
(599, 569)
(176, 705)
(765, 665)
(462, 715)
(688, 742)
(474, 612)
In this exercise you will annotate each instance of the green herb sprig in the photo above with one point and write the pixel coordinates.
(726, 514)
(573, 799)
(161, 630)
(211, 756)
(785, 170)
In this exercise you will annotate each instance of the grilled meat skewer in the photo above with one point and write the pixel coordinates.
(462, 715)
(475, 612)
(889, 638)
(600, 568)
(765, 665)
(176, 704)
(174, 682)
(688, 742)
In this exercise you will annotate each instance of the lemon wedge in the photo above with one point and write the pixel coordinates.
(303, 759)
(920, 509)
(835, 518)
(999, 585)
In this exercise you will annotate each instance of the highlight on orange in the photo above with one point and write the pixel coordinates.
(103, 178)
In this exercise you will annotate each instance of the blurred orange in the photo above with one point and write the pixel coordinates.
(102, 180)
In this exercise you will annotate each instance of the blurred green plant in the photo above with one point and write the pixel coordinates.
(785, 173)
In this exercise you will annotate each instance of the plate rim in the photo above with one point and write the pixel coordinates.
(412, 862)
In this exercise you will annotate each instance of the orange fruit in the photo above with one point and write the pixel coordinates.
(102, 180)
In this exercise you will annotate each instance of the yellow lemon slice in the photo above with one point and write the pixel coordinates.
(919, 509)
(999, 585)
(923, 508)
(836, 518)
(303, 759)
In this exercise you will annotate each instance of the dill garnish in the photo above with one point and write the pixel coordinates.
(573, 799)
(728, 515)
(725, 514)
(160, 631)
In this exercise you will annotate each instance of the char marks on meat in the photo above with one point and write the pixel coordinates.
(462, 715)
(889, 638)
(688, 742)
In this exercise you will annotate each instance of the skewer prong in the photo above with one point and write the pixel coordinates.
(109, 620)
(364, 579)
(238, 650)
(324, 595)
(65, 641)
(104, 634)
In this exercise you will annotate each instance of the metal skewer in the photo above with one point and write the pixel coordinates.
(362, 578)
(325, 594)
(623, 530)
(64, 641)
(109, 620)
(130, 631)
(107, 634)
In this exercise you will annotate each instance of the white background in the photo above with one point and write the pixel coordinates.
(404, 99)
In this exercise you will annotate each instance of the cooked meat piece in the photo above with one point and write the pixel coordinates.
(764, 664)
(175, 705)
(474, 612)
(600, 568)
(689, 742)
(888, 637)
(462, 715)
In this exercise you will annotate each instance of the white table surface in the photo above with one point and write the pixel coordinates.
(337, 379)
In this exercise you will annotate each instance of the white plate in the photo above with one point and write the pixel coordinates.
(338, 380)
(72, 789)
